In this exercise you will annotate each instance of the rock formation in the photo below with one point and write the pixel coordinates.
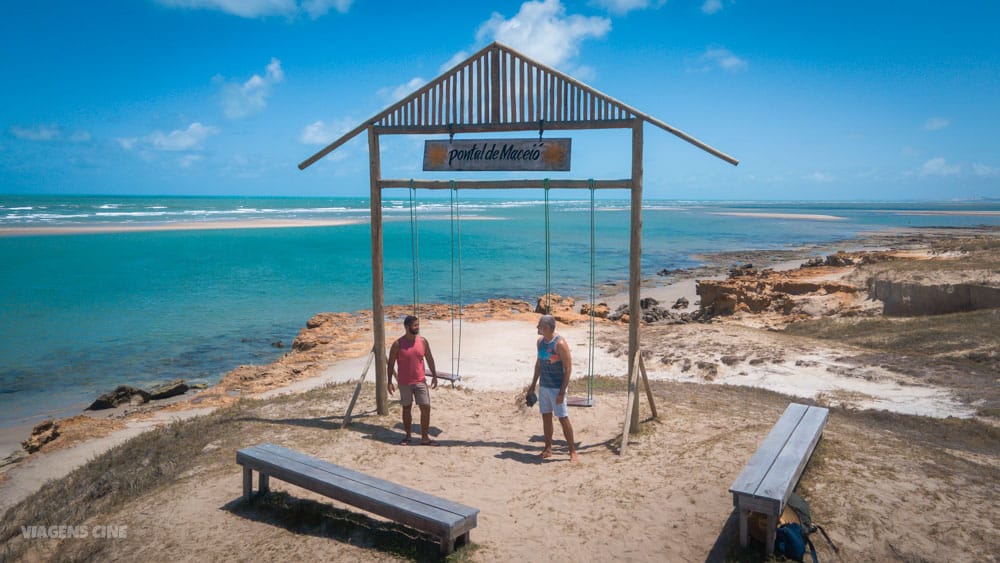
(40, 435)
(122, 395)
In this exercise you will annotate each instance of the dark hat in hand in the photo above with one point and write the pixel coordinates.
(530, 399)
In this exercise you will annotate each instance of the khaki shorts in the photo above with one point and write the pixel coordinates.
(418, 392)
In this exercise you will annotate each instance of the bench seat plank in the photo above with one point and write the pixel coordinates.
(788, 466)
(369, 480)
(760, 463)
(443, 518)
(378, 498)
(770, 476)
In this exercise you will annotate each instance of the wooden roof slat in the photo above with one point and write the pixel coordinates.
(500, 88)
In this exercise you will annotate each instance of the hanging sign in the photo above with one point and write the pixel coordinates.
(497, 154)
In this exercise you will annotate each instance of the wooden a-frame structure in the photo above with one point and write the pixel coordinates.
(501, 90)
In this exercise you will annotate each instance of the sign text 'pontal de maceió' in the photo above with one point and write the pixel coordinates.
(497, 154)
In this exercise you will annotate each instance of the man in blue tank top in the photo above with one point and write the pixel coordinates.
(552, 372)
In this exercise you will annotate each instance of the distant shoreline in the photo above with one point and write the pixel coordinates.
(799, 216)
(180, 226)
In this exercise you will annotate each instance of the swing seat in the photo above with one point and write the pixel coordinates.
(448, 376)
(580, 401)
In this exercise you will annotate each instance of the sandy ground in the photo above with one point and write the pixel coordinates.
(881, 495)
(887, 485)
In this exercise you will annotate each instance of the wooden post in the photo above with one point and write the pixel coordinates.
(645, 383)
(357, 390)
(378, 283)
(632, 392)
(635, 265)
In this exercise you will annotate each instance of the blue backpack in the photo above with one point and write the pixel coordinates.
(790, 541)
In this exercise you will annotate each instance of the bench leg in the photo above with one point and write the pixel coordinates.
(447, 545)
(247, 483)
(744, 528)
(772, 531)
(264, 483)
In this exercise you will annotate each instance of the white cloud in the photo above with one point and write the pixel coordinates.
(127, 143)
(543, 31)
(322, 133)
(722, 58)
(49, 133)
(939, 167)
(38, 133)
(264, 8)
(985, 171)
(317, 8)
(454, 60)
(178, 140)
(241, 100)
(936, 123)
(242, 8)
(189, 160)
(393, 95)
(622, 7)
(819, 178)
(711, 7)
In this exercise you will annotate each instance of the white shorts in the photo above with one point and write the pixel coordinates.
(547, 402)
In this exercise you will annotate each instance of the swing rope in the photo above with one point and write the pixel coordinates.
(414, 249)
(548, 260)
(456, 249)
(593, 294)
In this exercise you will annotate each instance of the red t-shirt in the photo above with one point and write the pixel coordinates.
(410, 360)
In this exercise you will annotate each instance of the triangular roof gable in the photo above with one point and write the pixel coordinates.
(501, 88)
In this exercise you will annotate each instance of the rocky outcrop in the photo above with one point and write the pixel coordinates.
(167, 390)
(128, 395)
(601, 310)
(652, 312)
(40, 435)
(562, 308)
(122, 395)
(755, 291)
(841, 258)
(905, 299)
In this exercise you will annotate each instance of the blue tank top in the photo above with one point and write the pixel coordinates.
(552, 366)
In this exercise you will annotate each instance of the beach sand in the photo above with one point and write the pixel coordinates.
(907, 468)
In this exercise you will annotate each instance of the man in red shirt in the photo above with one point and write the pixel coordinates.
(409, 352)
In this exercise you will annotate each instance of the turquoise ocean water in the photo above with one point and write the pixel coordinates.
(82, 313)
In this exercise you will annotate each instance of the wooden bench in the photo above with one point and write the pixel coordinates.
(442, 518)
(770, 476)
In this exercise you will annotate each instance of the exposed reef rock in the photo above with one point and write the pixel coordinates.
(903, 299)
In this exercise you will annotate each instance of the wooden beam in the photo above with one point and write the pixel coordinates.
(494, 83)
(378, 282)
(635, 264)
(645, 383)
(505, 184)
(357, 390)
(504, 127)
(632, 393)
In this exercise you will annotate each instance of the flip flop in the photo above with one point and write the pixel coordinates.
(430, 443)
(404, 442)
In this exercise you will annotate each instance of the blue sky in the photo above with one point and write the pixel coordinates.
(818, 100)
